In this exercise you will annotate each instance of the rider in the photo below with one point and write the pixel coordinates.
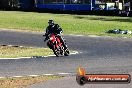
(56, 29)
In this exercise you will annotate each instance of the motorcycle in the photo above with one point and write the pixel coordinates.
(55, 44)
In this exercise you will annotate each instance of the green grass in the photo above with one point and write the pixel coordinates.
(14, 52)
(73, 24)
(23, 82)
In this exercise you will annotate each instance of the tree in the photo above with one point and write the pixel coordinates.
(8, 4)
(4, 4)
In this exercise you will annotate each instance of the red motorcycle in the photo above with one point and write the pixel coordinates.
(55, 44)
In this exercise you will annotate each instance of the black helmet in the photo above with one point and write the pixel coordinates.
(51, 22)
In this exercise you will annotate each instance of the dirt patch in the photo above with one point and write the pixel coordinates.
(22, 82)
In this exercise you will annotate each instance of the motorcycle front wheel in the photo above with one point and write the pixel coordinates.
(67, 52)
(56, 52)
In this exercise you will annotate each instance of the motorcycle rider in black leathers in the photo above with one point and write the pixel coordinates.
(55, 29)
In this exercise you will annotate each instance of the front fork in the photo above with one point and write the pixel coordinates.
(52, 45)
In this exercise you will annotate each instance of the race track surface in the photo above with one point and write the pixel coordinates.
(96, 55)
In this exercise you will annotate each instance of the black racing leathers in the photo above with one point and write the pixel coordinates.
(55, 29)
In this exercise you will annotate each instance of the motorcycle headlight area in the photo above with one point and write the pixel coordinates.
(51, 38)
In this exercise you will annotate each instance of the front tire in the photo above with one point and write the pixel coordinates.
(67, 52)
(56, 52)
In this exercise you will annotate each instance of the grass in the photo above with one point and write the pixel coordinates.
(22, 82)
(13, 52)
(72, 24)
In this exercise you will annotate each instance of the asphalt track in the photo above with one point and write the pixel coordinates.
(96, 55)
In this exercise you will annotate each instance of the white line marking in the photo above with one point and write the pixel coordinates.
(51, 55)
(10, 45)
(74, 52)
(2, 77)
(15, 58)
(48, 74)
(64, 73)
(17, 76)
(45, 56)
(21, 46)
(76, 35)
(94, 36)
(34, 75)
(58, 74)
